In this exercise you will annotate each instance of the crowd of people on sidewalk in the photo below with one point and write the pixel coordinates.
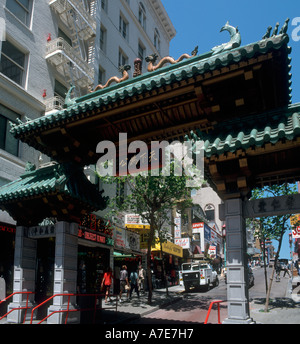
(135, 281)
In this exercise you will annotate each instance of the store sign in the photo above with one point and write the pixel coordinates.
(8, 229)
(296, 232)
(119, 237)
(212, 250)
(171, 248)
(168, 247)
(207, 232)
(94, 236)
(133, 241)
(183, 242)
(135, 221)
(197, 227)
(38, 232)
(126, 239)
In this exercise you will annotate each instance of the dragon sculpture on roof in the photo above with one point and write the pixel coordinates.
(235, 39)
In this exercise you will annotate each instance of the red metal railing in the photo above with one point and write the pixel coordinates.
(209, 309)
(17, 308)
(68, 310)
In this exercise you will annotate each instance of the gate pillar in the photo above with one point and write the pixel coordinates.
(24, 275)
(237, 273)
(65, 273)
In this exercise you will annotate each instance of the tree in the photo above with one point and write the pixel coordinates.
(152, 197)
(274, 227)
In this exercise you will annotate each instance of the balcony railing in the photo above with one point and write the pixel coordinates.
(67, 61)
(88, 23)
(54, 103)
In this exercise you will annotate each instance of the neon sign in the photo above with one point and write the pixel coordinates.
(8, 229)
(83, 233)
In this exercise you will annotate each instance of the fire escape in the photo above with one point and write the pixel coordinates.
(74, 62)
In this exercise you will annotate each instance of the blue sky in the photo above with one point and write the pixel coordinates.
(199, 22)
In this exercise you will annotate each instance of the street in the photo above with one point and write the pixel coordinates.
(194, 305)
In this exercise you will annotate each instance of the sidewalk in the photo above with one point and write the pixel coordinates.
(282, 310)
(135, 308)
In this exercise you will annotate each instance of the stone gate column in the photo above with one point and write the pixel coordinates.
(65, 273)
(24, 275)
(237, 273)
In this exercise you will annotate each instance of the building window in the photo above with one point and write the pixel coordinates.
(12, 63)
(141, 52)
(103, 34)
(60, 90)
(21, 9)
(123, 59)
(64, 36)
(210, 212)
(104, 5)
(157, 40)
(142, 15)
(101, 76)
(123, 27)
(7, 141)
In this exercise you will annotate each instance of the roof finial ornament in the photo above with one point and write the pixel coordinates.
(151, 59)
(68, 100)
(284, 27)
(275, 31)
(125, 76)
(268, 33)
(235, 39)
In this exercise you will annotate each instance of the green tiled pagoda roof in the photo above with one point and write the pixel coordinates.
(65, 179)
(242, 134)
(178, 72)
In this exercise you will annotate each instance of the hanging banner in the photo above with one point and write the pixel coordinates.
(177, 228)
(126, 239)
(183, 242)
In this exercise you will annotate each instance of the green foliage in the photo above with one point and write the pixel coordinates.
(274, 227)
(150, 196)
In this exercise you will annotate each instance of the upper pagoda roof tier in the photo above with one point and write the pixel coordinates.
(197, 92)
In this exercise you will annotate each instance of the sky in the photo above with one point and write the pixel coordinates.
(198, 23)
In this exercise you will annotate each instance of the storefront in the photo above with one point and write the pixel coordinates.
(126, 252)
(168, 256)
(7, 248)
(95, 253)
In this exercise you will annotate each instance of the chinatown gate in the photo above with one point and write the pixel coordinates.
(234, 98)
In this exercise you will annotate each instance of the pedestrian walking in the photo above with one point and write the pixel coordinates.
(134, 283)
(286, 270)
(173, 276)
(124, 284)
(141, 279)
(107, 281)
(277, 268)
